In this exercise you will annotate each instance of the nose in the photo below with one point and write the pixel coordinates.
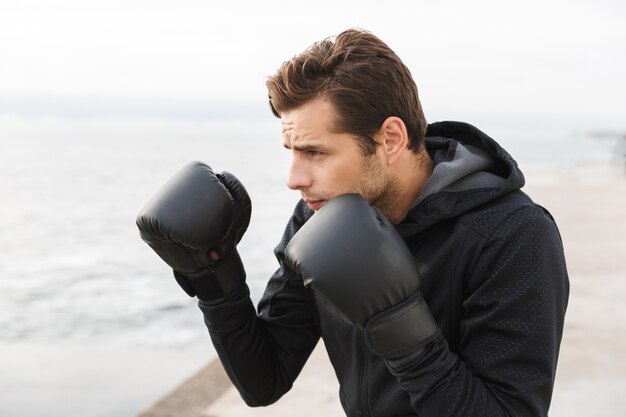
(299, 178)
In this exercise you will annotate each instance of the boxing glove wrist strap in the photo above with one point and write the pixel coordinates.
(215, 283)
(401, 328)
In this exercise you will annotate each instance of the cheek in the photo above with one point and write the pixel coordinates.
(347, 177)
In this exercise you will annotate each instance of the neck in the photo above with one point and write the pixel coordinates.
(409, 176)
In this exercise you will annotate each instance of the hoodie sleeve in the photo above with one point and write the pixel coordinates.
(263, 354)
(513, 313)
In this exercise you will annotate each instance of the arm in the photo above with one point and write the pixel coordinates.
(194, 223)
(263, 354)
(349, 253)
(510, 333)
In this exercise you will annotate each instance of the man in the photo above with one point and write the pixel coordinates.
(438, 287)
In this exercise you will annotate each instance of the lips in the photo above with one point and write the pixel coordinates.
(314, 204)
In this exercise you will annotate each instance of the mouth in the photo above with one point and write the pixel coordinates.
(314, 204)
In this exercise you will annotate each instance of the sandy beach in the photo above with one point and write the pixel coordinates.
(588, 202)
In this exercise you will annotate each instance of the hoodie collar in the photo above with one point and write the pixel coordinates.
(469, 169)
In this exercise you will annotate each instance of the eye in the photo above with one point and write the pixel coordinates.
(313, 153)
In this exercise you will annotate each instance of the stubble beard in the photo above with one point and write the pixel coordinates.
(376, 185)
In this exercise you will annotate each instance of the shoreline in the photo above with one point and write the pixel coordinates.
(96, 378)
(194, 395)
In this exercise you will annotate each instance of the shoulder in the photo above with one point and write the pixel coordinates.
(521, 246)
(504, 214)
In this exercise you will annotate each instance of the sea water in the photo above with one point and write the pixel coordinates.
(92, 321)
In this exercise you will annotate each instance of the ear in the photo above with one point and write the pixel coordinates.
(394, 138)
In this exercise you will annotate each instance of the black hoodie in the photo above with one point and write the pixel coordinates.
(493, 275)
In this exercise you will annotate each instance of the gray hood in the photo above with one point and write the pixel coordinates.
(470, 169)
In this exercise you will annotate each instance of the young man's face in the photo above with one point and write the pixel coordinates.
(326, 164)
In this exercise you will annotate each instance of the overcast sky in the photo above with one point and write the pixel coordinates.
(564, 58)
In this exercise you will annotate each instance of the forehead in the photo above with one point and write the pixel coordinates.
(314, 118)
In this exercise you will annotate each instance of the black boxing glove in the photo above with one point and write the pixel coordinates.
(194, 223)
(352, 255)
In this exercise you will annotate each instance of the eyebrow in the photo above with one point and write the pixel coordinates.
(304, 147)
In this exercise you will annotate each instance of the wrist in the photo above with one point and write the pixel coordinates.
(240, 293)
(400, 329)
(215, 283)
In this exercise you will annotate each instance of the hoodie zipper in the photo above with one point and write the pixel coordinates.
(364, 386)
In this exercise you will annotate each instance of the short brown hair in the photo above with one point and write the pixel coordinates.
(361, 76)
